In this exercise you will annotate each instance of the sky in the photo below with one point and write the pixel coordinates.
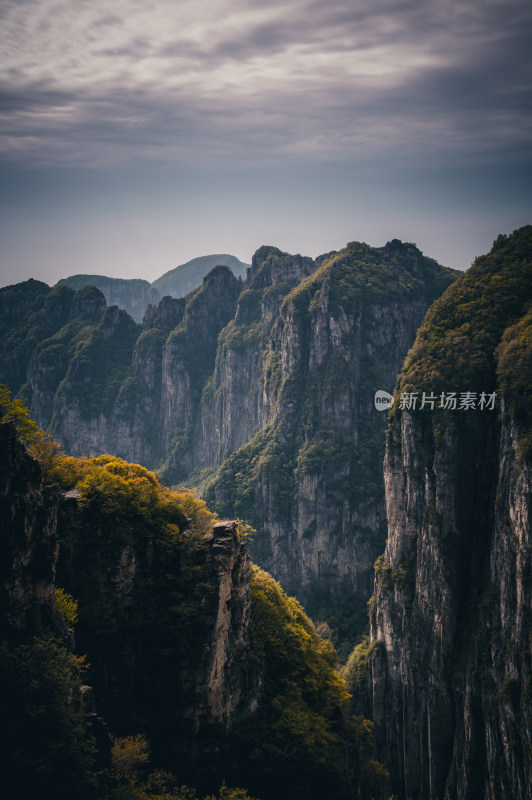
(136, 135)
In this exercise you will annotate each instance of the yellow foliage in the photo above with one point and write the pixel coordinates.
(129, 754)
(67, 606)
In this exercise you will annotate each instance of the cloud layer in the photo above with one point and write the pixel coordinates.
(235, 80)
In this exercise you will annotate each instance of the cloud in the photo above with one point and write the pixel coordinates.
(236, 80)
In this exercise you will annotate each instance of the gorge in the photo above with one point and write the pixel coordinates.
(261, 394)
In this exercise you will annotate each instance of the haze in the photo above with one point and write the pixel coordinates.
(135, 136)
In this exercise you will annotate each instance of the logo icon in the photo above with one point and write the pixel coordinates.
(383, 400)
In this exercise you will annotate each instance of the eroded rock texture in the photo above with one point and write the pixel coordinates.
(450, 619)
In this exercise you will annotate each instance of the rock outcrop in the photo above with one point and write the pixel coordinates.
(310, 480)
(164, 616)
(166, 627)
(450, 661)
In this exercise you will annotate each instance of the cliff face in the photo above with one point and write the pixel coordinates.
(166, 626)
(235, 405)
(29, 543)
(450, 617)
(267, 387)
(164, 616)
(310, 480)
(223, 676)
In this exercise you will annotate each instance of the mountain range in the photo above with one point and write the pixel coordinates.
(134, 295)
(261, 395)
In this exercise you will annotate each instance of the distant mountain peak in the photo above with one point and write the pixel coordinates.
(183, 279)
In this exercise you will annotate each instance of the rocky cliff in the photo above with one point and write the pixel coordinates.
(450, 661)
(265, 389)
(29, 543)
(165, 621)
(164, 602)
(310, 480)
(199, 662)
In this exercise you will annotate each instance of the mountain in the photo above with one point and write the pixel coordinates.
(301, 365)
(450, 661)
(201, 669)
(262, 393)
(183, 279)
(133, 295)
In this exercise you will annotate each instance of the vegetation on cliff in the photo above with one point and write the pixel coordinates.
(459, 338)
(303, 738)
(332, 344)
(140, 626)
(450, 615)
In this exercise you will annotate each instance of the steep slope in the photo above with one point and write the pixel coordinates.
(101, 383)
(30, 312)
(234, 405)
(181, 280)
(310, 480)
(284, 366)
(133, 295)
(224, 675)
(451, 636)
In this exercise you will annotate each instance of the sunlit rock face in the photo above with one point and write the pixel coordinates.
(450, 616)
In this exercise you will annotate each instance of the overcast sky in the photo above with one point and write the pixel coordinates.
(136, 135)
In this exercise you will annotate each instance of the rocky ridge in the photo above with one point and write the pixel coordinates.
(266, 387)
(450, 659)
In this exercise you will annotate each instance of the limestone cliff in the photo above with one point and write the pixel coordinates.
(270, 383)
(450, 662)
(311, 478)
(166, 625)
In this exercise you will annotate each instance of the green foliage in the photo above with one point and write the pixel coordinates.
(233, 492)
(245, 532)
(360, 273)
(326, 447)
(455, 349)
(67, 607)
(514, 367)
(402, 578)
(383, 573)
(99, 362)
(302, 738)
(49, 751)
(40, 444)
(130, 755)
(355, 669)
